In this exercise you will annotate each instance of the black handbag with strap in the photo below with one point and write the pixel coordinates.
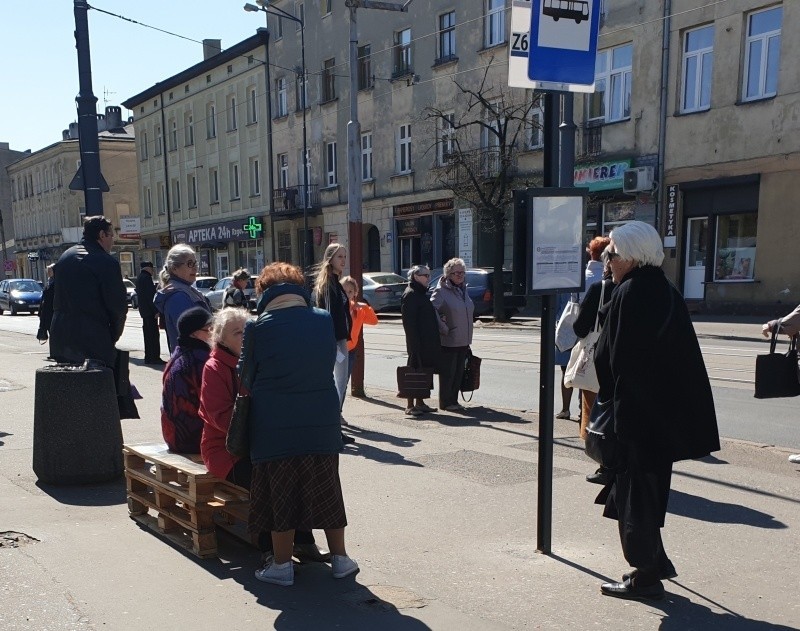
(414, 383)
(602, 444)
(471, 378)
(776, 373)
(237, 441)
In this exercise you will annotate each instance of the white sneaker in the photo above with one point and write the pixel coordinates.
(795, 459)
(343, 566)
(277, 573)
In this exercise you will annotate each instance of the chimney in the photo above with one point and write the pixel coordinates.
(211, 47)
(113, 117)
(72, 132)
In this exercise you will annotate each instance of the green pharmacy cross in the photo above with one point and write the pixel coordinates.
(253, 227)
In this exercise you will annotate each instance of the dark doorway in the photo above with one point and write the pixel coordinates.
(373, 246)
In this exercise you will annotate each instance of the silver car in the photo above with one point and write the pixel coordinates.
(216, 295)
(204, 284)
(382, 290)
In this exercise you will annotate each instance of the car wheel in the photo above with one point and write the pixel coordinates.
(12, 310)
(33, 311)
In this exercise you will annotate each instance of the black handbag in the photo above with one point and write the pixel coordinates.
(237, 441)
(122, 383)
(414, 383)
(602, 445)
(471, 378)
(776, 373)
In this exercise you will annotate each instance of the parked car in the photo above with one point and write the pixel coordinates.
(20, 294)
(382, 290)
(217, 293)
(205, 284)
(130, 288)
(480, 286)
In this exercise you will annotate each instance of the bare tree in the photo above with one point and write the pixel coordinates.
(476, 156)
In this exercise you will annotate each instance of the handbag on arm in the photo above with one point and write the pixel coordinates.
(580, 372)
(237, 441)
(776, 373)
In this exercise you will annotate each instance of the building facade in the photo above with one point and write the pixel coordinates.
(48, 215)
(7, 249)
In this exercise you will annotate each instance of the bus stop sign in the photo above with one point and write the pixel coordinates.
(563, 44)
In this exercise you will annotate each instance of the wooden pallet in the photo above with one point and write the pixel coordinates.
(187, 501)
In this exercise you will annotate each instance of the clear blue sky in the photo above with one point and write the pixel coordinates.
(40, 64)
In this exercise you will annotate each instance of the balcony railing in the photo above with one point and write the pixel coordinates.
(589, 141)
(293, 199)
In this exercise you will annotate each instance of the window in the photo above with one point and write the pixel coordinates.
(176, 195)
(735, 256)
(283, 170)
(285, 246)
(536, 136)
(159, 141)
(161, 198)
(490, 137)
(366, 156)
(301, 92)
(188, 129)
(278, 27)
(402, 53)
(252, 105)
(446, 138)
(148, 203)
(698, 58)
(281, 106)
(330, 164)
(231, 107)
(404, 149)
(234, 175)
(192, 190)
(213, 186)
(762, 54)
(364, 68)
(611, 100)
(325, 7)
(255, 177)
(144, 145)
(173, 135)
(300, 14)
(211, 121)
(328, 80)
(494, 23)
(447, 36)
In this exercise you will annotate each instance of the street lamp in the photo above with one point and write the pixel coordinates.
(306, 258)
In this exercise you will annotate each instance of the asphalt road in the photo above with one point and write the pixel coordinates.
(510, 374)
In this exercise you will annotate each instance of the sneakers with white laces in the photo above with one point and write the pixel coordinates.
(343, 566)
(277, 573)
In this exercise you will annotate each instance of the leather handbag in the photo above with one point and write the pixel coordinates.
(237, 441)
(602, 445)
(414, 383)
(776, 373)
(471, 379)
(581, 372)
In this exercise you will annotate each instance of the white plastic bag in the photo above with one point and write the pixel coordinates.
(580, 372)
(565, 335)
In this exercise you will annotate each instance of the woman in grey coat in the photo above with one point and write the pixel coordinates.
(455, 310)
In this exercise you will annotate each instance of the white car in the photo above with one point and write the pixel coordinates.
(216, 295)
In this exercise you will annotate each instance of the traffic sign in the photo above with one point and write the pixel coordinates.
(519, 44)
(562, 45)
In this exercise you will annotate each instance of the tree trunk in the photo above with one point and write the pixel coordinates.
(498, 258)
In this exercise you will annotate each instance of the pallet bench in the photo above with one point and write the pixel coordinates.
(187, 501)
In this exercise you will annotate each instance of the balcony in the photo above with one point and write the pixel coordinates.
(292, 200)
(482, 163)
(589, 141)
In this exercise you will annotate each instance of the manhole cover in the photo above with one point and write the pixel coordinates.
(11, 539)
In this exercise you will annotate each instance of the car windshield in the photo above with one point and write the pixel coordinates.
(25, 285)
(205, 283)
(387, 279)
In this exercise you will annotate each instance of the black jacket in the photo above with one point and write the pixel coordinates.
(589, 306)
(334, 301)
(648, 361)
(145, 292)
(89, 307)
(421, 327)
(46, 310)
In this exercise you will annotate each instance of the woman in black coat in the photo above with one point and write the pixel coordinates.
(422, 330)
(653, 381)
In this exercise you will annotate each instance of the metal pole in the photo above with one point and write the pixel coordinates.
(308, 256)
(264, 32)
(86, 101)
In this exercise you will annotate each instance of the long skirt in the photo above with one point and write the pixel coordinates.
(297, 493)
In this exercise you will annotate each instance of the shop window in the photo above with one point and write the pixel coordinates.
(735, 256)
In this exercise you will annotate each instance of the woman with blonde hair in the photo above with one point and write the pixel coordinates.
(330, 296)
(177, 293)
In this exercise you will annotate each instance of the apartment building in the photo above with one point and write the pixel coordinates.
(7, 156)
(48, 215)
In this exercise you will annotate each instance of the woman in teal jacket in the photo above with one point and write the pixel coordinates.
(295, 438)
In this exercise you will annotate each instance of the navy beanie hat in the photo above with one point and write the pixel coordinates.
(193, 320)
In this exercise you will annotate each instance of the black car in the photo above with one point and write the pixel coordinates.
(480, 287)
(20, 294)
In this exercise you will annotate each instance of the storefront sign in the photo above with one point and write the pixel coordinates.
(670, 236)
(465, 235)
(221, 232)
(408, 227)
(129, 227)
(423, 207)
(602, 176)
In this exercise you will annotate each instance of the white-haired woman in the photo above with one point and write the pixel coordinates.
(176, 293)
(330, 295)
(654, 386)
(455, 309)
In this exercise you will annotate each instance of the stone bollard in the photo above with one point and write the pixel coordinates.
(77, 436)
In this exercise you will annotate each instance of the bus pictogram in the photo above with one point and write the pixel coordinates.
(577, 10)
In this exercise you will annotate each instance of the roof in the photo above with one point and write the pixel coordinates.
(237, 50)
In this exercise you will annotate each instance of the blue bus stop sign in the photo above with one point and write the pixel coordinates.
(563, 44)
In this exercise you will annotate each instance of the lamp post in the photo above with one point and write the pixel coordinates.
(306, 258)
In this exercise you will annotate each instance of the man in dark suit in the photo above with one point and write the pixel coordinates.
(145, 292)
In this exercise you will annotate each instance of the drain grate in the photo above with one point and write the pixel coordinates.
(11, 539)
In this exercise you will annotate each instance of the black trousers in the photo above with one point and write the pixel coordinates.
(450, 374)
(152, 338)
(241, 475)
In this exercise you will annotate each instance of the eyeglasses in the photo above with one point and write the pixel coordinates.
(458, 273)
(191, 263)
